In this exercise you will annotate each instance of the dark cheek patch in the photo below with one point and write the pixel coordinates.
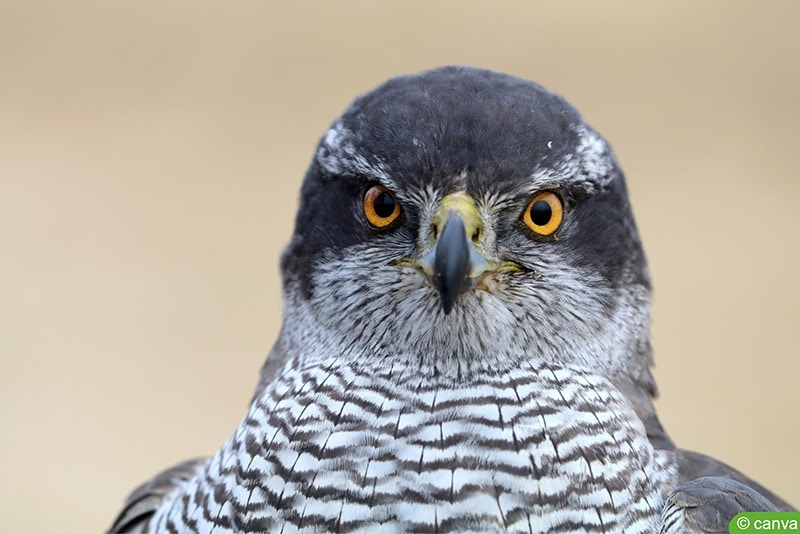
(603, 240)
(329, 222)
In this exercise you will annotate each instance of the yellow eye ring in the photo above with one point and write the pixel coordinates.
(544, 213)
(381, 208)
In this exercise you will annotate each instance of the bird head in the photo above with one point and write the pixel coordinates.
(462, 221)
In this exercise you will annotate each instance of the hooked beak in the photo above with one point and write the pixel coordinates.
(454, 265)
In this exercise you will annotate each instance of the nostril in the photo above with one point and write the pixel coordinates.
(434, 231)
(476, 235)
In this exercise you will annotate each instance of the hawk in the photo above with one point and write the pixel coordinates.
(465, 343)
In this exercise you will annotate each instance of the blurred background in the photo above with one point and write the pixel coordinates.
(150, 159)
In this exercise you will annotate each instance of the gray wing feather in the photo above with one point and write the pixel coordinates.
(708, 504)
(693, 465)
(710, 493)
(147, 498)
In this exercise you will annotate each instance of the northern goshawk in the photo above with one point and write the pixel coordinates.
(465, 344)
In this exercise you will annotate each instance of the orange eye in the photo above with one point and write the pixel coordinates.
(544, 213)
(380, 207)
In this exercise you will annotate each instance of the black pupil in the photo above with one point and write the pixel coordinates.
(384, 205)
(541, 212)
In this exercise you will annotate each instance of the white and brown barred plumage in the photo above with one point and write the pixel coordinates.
(404, 394)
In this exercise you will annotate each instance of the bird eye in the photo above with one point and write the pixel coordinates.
(380, 207)
(544, 213)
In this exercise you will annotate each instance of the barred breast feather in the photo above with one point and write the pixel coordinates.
(335, 448)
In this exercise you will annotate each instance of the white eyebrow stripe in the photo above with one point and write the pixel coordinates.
(338, 156)
(596, 157)
(590, 166)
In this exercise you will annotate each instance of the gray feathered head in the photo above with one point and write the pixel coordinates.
(462, 221)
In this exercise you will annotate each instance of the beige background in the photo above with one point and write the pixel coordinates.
(150, 158)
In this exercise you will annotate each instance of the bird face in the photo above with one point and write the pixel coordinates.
(466, 221)
(456, 262)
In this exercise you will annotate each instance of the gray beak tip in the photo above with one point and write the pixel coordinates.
(452, 262)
